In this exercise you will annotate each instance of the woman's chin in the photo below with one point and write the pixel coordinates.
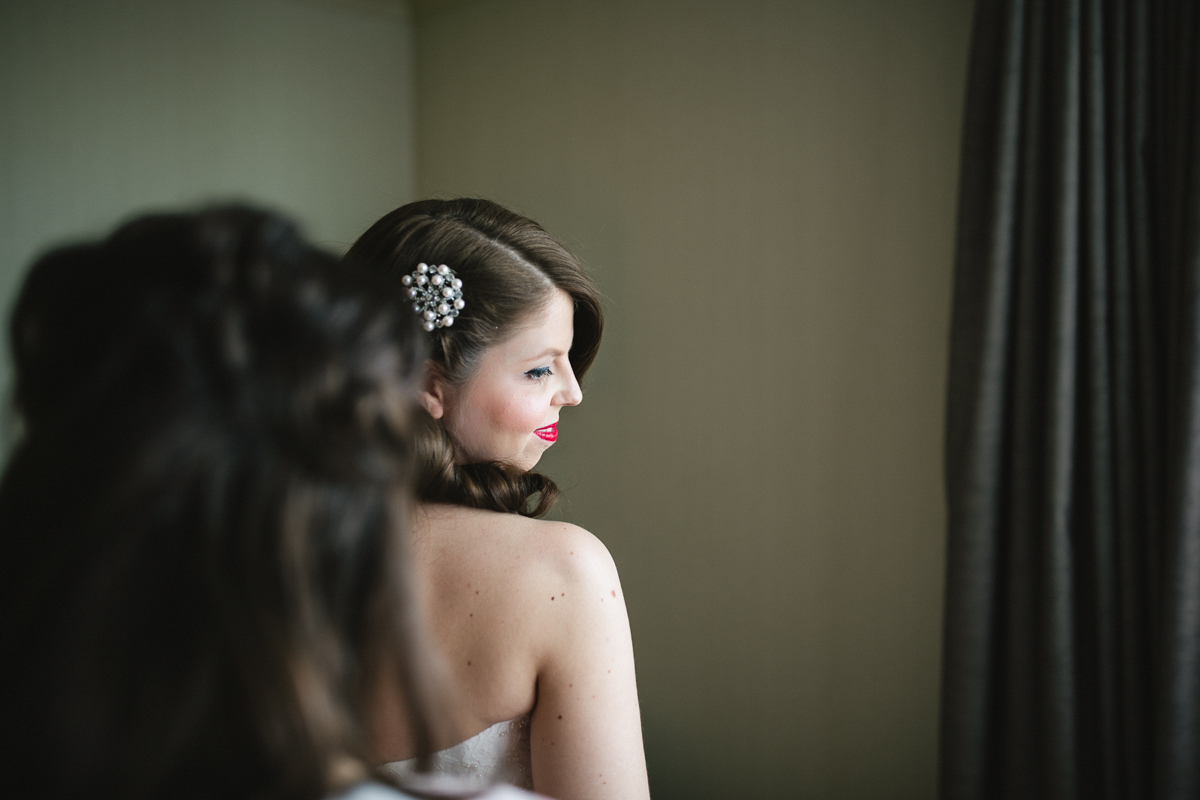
(526, 464)
(524, 460)
(528, 460)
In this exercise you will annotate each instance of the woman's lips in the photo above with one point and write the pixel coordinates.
(548, 433)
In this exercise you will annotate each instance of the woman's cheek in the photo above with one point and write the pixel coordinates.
(524, 414)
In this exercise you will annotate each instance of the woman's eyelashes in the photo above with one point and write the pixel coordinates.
(537, 373)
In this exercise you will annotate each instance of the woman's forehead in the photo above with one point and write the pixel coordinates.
(550, 328)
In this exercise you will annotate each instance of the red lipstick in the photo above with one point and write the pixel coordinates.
(548, 433)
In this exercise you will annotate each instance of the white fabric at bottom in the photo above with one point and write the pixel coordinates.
(499, 754)
(437, 786)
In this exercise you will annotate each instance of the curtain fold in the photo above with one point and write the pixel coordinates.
(1071, 662)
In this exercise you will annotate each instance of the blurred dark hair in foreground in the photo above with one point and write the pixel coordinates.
(202, 528)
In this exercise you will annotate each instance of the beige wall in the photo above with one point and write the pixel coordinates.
(109, 107)
(765, 191)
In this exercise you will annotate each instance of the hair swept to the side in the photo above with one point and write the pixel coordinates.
(203, 559)
(509, 266)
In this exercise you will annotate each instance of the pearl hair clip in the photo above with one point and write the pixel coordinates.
(436, 293)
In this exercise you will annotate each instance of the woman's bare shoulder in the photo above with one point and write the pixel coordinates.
(502, 592)
(490, 541)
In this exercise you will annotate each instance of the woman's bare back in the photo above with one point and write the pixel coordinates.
(529, 616)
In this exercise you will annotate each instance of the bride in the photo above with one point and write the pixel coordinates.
(529, 613)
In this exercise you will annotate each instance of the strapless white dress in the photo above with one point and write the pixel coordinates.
(499, 754)
(440, 786)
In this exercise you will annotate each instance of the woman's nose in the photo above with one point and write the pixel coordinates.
(570, 394)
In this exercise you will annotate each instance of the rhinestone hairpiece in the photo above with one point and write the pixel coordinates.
(436, 293)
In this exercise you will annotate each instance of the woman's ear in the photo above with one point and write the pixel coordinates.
(433, 391)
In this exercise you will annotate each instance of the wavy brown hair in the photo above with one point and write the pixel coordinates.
(509, 266)
(203, 559)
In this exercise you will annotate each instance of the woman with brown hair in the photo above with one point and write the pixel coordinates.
(203, 549)
(529, 613)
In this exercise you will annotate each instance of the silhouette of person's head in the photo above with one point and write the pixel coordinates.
(202, 527)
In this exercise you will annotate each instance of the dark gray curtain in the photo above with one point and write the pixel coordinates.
(1072, 635)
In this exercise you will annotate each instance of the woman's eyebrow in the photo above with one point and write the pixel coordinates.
(552, 351)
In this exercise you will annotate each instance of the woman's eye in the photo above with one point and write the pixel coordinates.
(537, 373)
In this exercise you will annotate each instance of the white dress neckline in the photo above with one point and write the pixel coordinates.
(499, 754)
